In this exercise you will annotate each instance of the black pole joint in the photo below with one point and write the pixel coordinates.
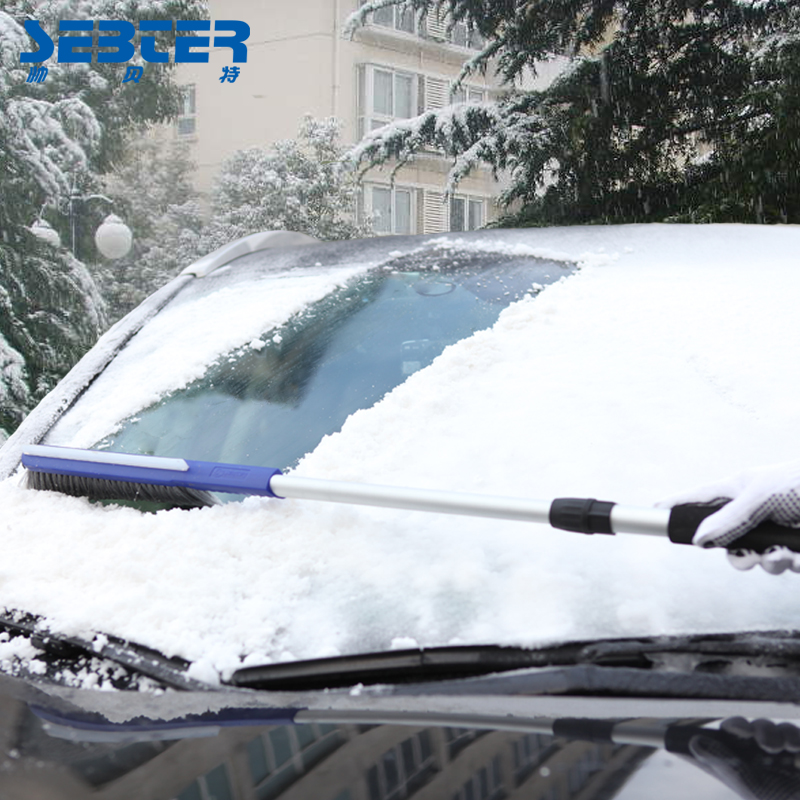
(582, 515)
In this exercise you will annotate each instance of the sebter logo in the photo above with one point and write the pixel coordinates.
(119, 40)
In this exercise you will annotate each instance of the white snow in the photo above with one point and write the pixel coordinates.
(670, 359)
(186, 345)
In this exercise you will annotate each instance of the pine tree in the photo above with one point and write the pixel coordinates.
(663, 109)
(50, 312)
(298, 185)
(118, 107)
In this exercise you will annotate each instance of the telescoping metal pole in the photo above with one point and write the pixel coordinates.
(579, 514)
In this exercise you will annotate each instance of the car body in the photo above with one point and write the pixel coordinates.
(267, 648)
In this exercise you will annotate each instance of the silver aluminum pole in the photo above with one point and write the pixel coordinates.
(411, 499)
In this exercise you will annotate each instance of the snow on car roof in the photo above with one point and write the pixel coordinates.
(667, 361)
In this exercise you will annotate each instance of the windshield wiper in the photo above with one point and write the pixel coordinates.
(393, 666)
(67, 657)
(758, 666)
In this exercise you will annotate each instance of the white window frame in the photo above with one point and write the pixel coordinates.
(465, 222)
(398, 17)
(472, 94)
(370, 119)
(472, 39)
(438, 29)
(186, 122)
(392, 228)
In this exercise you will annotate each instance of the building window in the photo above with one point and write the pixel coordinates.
(214, 785)
(436, 26)
(187, 117)
(467, 213)
(391, 209)
(402, 770)
(284, 754)
(468, 94)
(485, 784)
(385, 95)
(401, 19)
(462, 35)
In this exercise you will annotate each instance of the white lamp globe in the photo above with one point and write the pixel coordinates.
(113, 238)
(42, 230)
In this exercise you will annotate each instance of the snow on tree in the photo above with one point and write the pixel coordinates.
(298, 185)
(55, 136)
(664, 109)
(117, 106)
(152, 191)
(50, 312)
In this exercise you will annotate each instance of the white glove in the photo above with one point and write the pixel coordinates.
(756, 495)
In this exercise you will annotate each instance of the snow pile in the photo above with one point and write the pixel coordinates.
(668, 361)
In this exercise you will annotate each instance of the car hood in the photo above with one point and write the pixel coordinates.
(587, 700)
(300, 744)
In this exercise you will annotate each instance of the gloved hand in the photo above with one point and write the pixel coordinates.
(758, 760)
(756, 495)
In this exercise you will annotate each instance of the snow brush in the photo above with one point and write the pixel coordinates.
(182, 483)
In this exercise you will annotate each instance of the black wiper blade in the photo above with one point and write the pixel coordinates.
(748, 654)
(777, 644)
(394, 666)
(756, 655)
(71, 654)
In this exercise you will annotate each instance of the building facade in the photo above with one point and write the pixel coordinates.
(300, 62)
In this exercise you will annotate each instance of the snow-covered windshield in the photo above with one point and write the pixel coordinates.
(667, 361)
(272, 400)
(256, 363)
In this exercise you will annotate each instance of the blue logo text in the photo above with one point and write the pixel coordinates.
(188, 49)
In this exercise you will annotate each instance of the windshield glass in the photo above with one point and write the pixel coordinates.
(272, 400)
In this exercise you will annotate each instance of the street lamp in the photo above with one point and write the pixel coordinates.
(113, 238)
(42, 229)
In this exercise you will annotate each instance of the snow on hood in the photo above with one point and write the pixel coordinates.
(668, 360)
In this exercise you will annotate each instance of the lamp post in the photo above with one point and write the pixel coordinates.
(43, 230)
(113, 238)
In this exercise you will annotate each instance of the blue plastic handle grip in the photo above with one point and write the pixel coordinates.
(207, 475)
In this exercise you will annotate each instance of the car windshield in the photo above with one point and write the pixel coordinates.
(584, 388)
(271, 400)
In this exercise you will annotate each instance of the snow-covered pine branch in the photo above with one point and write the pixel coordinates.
(658, 112)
